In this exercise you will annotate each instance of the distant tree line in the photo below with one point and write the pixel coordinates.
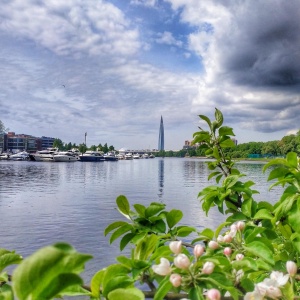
(58, 143)
(289, 143)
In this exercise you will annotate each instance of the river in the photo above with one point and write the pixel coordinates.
(42, 203)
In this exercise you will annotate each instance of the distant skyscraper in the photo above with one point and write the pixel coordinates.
(161, 138)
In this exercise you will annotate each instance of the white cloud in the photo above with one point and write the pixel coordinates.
(168, 39)
(71, 27)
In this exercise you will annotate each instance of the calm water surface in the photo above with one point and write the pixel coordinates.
(42, 203)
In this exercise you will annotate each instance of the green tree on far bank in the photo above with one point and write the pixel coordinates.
(82, 148)
(57, 143)
(2, 127)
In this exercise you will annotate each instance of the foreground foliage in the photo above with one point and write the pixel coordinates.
(254, 254)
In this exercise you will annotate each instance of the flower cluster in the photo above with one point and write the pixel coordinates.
(184, 264)
(271, 287)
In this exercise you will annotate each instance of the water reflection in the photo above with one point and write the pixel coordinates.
(161, 166)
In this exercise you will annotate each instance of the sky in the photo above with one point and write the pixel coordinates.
(112, 68)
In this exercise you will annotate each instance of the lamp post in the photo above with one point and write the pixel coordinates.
(85, 138)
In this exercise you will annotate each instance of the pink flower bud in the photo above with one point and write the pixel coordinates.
(213, 294)
(176, 246)
(227, 251)
(220, 239)
(240, 225)
(181, 261)
(239, 256)
(213, 245)
(198, 250)
(227, 238)
(175, 280)
(163, 268)
(233, 230)
(291, 268)
(208, 267)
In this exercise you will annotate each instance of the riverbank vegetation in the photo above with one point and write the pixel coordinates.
(251, 150)
(254, 254)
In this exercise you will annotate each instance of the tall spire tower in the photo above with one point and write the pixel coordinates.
(161, 138)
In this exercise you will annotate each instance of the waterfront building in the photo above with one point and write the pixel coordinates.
(21, 142)
(3, 142)
(47, 142)
(161, 138)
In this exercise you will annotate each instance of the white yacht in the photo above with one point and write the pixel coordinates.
(120, 156)
(145, 155)
(4, 156)
(66, 156)
(20, 156)
(136, 156)
(45, 155)
(128, 156)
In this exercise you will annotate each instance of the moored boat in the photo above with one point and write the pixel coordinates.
(110, 156)
(45, 155)
(136, 156)
(4, 156)
(91, 156)
(64, 156)
(20, 156)
(128, 156)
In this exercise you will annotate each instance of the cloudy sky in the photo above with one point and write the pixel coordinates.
(111, 68)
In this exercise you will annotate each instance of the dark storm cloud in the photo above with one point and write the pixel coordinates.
(263, 47)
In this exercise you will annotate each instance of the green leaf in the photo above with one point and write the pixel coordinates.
(184, 231)
(207, 233)
(153, 209)
(115, 276)
(126, 294)
(126, 239)
(294, 218)
(120, 231)
(173, 217)
(206, 119)
(259, 249)
(230, 181)
(116, 282)
(6, 292)
(113, 226)
(224, 130)
(163, 251)
(196, 293)
(75, 290)
(246, 262)
(96, 283)
(263, 214)
(164, 287)
(8, 258)
(211, 175)
(247, 284)
(277, 161)
(140, 209)
(60, 285)
(247, 207)
(227, 143)
(219, 117)
(278, 173)
(49, 271)
(145, 247)
(201, 136)
(123, 206)
(292, 159)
